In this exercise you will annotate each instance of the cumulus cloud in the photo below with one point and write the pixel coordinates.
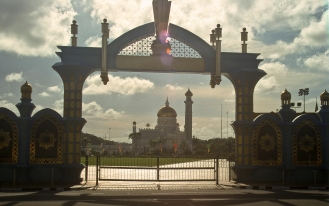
(35, 28)
(14, 77)
(172, 87)
(58, 106)
(267, 85)
(318, 61)
(44, 94)
(94, 41)
(9, 105)
(7, 95)
(125, 86)
(54, 89)
(274, 68)
(121, 15)
(296, 17)
(315, 35)
(94, 110)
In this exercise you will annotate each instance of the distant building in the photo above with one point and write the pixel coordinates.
(166, 134)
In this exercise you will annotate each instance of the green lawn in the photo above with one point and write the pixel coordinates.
(137, 161)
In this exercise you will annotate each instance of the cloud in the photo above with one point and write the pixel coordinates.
(125, 86)
(94, 110)
(44, 94)
(121, 15)
(315, 35)
(37, 108)
(14, 77)
(274, 68)
(10, 106)
(35, 28)
(58, 106)
(172, 87)
(318, 61)
(7, 95)
(267, 85)
(54, 89)
(94, 41)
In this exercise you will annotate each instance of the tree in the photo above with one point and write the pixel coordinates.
(85, 141)
(136, 136)
(157, 143)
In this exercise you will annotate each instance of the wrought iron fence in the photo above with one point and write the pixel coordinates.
(100, 168)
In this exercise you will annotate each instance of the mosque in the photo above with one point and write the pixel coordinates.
(166, 135)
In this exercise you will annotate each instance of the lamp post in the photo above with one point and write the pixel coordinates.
(109, 141)
(303, 92)
(227, 124)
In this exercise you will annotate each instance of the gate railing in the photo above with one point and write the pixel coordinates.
(100, 168)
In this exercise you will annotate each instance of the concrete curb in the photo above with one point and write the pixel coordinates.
(279, 187)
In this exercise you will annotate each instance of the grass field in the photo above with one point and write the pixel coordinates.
(138, 161)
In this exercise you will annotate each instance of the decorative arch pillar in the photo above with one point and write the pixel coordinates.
(244, 82)
(73, 77)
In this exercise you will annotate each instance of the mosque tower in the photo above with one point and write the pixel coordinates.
(188, 115)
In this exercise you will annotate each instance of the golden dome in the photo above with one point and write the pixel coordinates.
(324, 96)
(26, 87)
(189, 93)
(167, 111)
(285, 95)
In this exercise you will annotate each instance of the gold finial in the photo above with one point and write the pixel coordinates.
(26, 90)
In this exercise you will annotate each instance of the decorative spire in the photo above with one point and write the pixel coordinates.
(244, 38)
(26, 90)
(74, 31)
(316, 104)
(161, 11)
(167, 103)
(324, 97)
(285, 97)
(189, 93)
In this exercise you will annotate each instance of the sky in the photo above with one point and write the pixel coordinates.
(291, 36)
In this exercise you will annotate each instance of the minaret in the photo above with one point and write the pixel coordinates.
(188, 115)
(26, 107)
(134, 127)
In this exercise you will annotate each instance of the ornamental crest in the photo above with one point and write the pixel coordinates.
(47, 139)
(267, 143)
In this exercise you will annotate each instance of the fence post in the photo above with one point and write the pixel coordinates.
(158, 169)
(14, 179)
(97, 170)
(217, 170)
(229, 168)
(86, 169)
(52, 177)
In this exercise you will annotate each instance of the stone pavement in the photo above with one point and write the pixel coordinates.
(123, 185)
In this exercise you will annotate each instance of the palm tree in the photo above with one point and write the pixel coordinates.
(157, 143)
(136, 136)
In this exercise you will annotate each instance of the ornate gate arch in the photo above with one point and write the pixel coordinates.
(77, 63)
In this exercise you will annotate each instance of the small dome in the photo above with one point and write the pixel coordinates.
(134, 123)
(189, 93)
(324, 96)
(285, 95)
(26, 88)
